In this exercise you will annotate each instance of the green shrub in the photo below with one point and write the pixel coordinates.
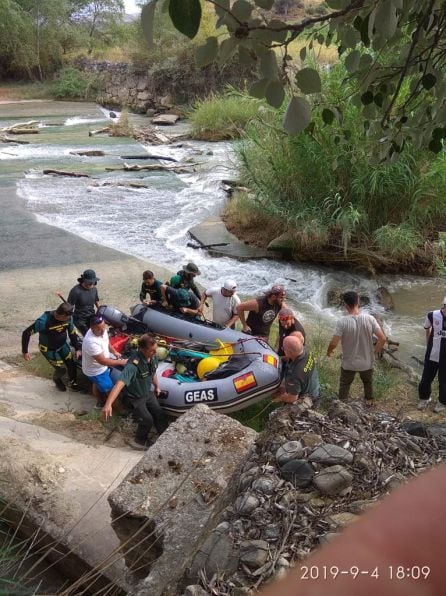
(72, 84)
(397, 241)
(223, 116)
(337, 204)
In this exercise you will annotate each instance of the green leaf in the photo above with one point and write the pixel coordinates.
(268, 65)
(246, 57)
(337, 4)
(275, 25)
(367, 98)
(220, 7)
(369, 111)
(258, 89)
(303, 53)
(365, 61)
(186, 16)
(327, 116)
(227, 49)
(352, 61)
(438, 134)
(242, 10)
(297, 116)
(265, 4)
(428, 81)
(308, 80)
(435, 146)
(147, 19)
(386, 20)
(379, 100)
(275, 94)
(207, 53)
(350, 37)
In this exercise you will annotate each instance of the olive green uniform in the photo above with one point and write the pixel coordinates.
(139, 397)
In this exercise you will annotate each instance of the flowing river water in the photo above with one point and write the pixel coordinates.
(153, 222)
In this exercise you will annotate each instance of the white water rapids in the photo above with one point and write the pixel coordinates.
(152, 223)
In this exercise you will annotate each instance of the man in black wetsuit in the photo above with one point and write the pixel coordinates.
(262, 312)
(152, 287)
(53, 328)
(85, 299)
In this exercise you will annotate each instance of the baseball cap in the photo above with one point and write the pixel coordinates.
(96, 320)
(444, 300)
(230, 285)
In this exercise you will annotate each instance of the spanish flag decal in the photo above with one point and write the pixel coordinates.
(245, 382)
(270, 360)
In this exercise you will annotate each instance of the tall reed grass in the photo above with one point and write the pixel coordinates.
(329, 193)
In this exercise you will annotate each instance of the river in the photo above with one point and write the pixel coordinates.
(152, 223)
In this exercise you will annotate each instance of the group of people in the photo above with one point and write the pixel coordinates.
(359, 334)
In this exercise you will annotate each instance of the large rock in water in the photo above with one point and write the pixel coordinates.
(381, 295)
(161, 509)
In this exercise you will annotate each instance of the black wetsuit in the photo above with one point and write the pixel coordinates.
(84, 301)
(154, 291)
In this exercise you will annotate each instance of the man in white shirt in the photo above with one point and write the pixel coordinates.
(224, 303)
(97, 364)
(355, 332)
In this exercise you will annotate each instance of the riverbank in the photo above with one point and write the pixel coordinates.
(38, 260)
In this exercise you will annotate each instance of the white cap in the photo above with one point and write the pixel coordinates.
(230, 285)
(444, 300)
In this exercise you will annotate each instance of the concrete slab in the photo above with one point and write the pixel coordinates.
(23, 396)
(63, 486)
(213, 231)
(161, 509)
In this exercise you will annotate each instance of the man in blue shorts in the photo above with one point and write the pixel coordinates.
(97, 364)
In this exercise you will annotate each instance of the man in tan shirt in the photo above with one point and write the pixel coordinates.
(355, 331)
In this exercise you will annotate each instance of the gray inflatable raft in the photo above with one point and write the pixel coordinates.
(251, 372)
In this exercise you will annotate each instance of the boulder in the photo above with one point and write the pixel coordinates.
(283, 243)
(331, 454)
(384, 298)
(144, 95)
(165, 119)
(298, 471)
(333, 480)
(254, 553)
(166, 101)
(334, 298)
(288, 451)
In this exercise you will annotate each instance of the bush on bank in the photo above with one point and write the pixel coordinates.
(339, 206)
(223, 117)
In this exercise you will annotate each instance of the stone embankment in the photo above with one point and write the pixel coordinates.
(159, 88)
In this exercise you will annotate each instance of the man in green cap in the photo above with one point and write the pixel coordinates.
(186, 279)
(137, 378)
